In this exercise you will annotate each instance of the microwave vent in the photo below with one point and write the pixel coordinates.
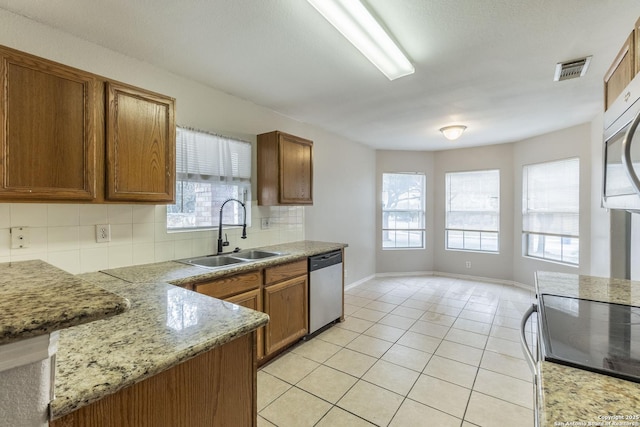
(571, 69)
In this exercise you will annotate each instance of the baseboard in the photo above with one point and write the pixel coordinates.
(359, 282)
(445, 274)
(484, 279)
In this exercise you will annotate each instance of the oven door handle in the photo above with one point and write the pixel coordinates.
(523, 338)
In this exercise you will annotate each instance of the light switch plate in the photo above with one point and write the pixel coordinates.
(20, 238)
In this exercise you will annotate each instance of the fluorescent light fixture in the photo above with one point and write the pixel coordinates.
(356, 23)
(453, 132)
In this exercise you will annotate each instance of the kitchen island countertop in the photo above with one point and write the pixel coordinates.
(37, 298)
(165, 326)
(568, 395)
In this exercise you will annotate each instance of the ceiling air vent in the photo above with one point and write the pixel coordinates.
(571, 69)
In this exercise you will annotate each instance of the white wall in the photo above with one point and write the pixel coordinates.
(405, 260)
(497, 266)
(343, 202)
(63, 236)
(600, 218)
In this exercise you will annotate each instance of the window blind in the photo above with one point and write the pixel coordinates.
(202, 156)
(473, 200)
(551, 198)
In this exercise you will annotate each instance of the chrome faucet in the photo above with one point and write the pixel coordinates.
(244, 224)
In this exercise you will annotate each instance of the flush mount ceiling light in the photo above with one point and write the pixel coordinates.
(453, 132)
(357, 25)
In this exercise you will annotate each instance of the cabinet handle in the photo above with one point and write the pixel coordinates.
(523, 339)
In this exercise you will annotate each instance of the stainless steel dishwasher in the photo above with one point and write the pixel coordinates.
(325, 289)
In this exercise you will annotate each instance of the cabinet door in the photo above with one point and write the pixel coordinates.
(285, 169)
(48, 132)
(620, 73)
(286, 304)
(252, 300)
(637, 46)
(141, 145)
(296, 170)
(214, 389)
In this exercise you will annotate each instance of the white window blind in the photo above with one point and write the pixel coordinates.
(472, 210)
(551, 210)
(210, 169)
(202, 156)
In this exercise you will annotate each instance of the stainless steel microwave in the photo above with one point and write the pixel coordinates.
(621, 185)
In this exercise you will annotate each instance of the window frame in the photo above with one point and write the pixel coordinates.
(527, 234)
(469, 230)
(421, 212)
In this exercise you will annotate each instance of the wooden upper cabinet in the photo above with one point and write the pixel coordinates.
(285, 169)
(637, 45)
(48, 132)
(621, 71)
(141, 144)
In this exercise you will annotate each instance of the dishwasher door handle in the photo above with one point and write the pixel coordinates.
(523, 338)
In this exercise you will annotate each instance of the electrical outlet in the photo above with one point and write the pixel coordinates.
(20, 237)
(265, 223)
(103, 233)
(467, 264)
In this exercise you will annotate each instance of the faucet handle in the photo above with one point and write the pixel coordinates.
(226, 240)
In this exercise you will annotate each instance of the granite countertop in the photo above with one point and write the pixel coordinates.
(177, 273)
(37, 298)
(166, 325)
(569, 395)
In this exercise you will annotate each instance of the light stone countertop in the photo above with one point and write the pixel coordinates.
(570, 395)
(166, 325)
(177, 273)
(37, 298)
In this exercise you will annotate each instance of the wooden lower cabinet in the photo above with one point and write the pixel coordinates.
(286, 303)
(216, 388)
(252, 300)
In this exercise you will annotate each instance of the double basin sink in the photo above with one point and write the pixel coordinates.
(215, 261)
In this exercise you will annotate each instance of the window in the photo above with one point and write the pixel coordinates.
(472, 210)
(403, 210)
(551, 210)
(209, 170)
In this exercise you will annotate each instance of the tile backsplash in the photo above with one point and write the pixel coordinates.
(64, 235)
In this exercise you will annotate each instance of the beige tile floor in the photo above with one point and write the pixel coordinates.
(412, 351)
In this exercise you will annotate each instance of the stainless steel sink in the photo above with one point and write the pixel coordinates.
(254, 254)
(213, 261)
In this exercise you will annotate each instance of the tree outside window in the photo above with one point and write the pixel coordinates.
(403, 211)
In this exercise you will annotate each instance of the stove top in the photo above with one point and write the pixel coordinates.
(598, 336)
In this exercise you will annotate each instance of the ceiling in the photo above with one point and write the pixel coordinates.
(487, 64)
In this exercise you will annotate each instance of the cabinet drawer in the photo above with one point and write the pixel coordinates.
(228, 286)
(285, 271)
